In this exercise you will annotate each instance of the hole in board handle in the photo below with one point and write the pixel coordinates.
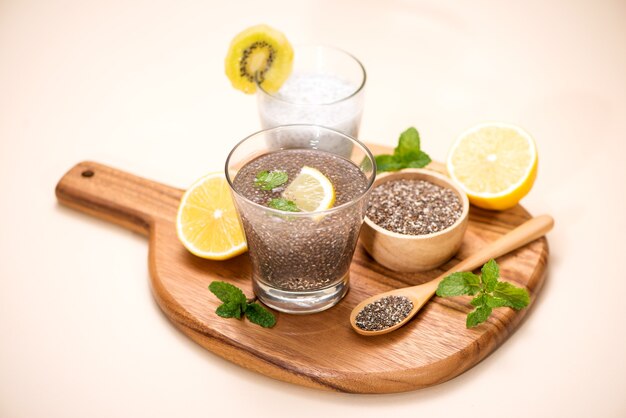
(87, 173)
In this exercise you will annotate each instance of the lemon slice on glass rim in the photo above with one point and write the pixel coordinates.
(495, 163)
(311, 191)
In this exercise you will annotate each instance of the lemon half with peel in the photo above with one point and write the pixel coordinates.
(311, 191)
(495, 163)
(207, 223)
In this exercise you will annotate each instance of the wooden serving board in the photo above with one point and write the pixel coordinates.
(319, 350)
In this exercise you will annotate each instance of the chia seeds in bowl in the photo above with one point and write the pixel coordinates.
(415, 221)
(414, 207)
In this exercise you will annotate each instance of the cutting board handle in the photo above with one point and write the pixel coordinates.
(117, 196)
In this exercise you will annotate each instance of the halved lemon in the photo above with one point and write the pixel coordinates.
(311, 191)
(495, 163)
(207, 222)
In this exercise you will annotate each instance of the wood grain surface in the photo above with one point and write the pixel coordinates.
(319, 350)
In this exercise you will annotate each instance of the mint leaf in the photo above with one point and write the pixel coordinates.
(515, 297)
(494, 302)
(261, 177)
(408, 147)
(490, 275)
(491, 292)
(407, 154)
(236, 305)
(457, 284)
(387, 162)
(269, 180)
(478, 316)
(480, 300)
(283, 204)
(257, 314)
(421, 160)
(226, 292)
(229, 310)
(235, 301)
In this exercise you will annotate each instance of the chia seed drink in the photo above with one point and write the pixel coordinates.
(325, 88)
(300, 260)
(302, 253)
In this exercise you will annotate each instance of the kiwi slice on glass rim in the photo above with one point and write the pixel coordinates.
(259, 54)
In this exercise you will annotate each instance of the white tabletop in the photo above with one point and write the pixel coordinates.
(140, 85)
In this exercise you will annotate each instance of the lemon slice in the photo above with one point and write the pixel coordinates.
(495, 163)
(311, 191)
(207, 222)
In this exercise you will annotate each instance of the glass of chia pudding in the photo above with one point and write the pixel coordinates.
(326, 87)
(300, 257)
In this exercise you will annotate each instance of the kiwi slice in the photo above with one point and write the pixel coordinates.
(259, 54)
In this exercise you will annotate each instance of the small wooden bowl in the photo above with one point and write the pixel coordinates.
(412, 253)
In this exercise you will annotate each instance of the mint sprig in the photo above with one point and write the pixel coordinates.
(235, 302)
(407, 154)
(235, 305)
(283, 204)
(260, 316)
(269, 180)
(491, 293)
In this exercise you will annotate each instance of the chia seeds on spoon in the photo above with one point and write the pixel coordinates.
(383, 313)
(414, 207)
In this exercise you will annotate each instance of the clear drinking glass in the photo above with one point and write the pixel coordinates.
(301, 260)
(326, 87)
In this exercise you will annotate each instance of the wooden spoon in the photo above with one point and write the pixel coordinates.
(419, 295)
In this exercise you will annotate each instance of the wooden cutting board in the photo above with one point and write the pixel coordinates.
(319, 350)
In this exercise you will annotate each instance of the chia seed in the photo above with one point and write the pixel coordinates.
(414, 207)
(383, 313)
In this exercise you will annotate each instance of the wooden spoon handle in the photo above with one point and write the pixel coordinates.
(116, 196)
(527, 232)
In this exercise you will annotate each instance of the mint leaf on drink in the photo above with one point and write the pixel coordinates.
(236, 305)
(283, 204)
(492, 293)
(407, 154)
(257, 314)
(269, 180)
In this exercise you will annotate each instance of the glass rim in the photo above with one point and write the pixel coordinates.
(343, 99)
(333, 209)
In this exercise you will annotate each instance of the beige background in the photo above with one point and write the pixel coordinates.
(139, 85)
